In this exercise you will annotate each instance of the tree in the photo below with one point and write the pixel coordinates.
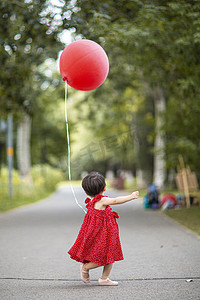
(48, 140)
(157, 43)
(119, 19)
(29, 34)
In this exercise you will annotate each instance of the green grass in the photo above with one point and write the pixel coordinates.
(44, 180)
(189, 217)
(67, 182)
(20, 198)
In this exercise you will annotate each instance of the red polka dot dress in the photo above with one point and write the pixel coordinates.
(98, 239)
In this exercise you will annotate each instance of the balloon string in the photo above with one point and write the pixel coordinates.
(68, 147)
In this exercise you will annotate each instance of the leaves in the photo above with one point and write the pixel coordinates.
(28, 33)
(149, 44)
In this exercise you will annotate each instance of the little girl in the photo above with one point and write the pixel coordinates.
(98, 243)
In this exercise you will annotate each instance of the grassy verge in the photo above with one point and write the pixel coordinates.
(20, 199)
(42, 182)
(189, 217)
(67, 182)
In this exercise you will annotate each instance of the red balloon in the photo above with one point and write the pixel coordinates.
(84, 65)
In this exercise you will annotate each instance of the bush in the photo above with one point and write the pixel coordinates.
(47, 176)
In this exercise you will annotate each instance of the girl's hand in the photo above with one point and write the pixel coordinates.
(135, 195)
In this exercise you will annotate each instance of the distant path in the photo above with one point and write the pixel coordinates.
(34, 240)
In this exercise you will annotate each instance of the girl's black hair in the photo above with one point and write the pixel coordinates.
(93, 184)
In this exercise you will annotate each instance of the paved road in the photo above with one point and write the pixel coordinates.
(34, 264)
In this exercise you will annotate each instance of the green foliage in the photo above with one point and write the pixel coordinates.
(182, 128)
(48, 141)
(28, 32)
(189, 217)
(47, 175)
(150, 44)
(100, 142)
(44, 182)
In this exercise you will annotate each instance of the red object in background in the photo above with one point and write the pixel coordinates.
(84, 65)
(167, 197)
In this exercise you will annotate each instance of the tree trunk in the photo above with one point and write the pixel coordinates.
(144, 178)
(159, 144)
(23, 146)
(141, 148)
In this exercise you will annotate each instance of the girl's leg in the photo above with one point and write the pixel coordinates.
(104, 280)
(87, 267)
(106, 271)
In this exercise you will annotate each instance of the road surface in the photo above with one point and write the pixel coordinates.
(160, 255)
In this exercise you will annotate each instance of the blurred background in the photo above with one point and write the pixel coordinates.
(136, 129)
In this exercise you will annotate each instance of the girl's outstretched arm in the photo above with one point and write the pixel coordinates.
(119, 200)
